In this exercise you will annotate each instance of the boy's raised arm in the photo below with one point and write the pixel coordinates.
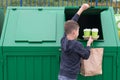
(77, 15)
(83, 8)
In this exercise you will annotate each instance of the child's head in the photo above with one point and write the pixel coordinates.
(71, 28)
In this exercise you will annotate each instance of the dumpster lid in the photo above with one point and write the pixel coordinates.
(35, 26)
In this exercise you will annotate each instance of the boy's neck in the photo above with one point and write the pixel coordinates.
(70, 37)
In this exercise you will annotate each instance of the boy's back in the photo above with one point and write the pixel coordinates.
(72, 51)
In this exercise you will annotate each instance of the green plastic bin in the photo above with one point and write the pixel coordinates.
(103, 19)
(30, 41)
(1, 58)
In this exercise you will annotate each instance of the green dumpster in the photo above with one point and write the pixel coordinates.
(1, 26)
(30, 41)
(117, 17)
(103, 19)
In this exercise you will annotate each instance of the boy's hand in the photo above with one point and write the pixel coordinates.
(83, 8)
(90, 41)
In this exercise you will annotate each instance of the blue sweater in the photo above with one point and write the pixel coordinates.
(72, 52)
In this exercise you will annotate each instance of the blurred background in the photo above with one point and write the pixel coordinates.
(114, 3)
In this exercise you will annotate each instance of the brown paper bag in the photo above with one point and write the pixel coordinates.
(93, 65)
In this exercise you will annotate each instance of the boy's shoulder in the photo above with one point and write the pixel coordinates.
(76, 43)
(70, 42)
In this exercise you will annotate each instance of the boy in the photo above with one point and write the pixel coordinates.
(72, 50)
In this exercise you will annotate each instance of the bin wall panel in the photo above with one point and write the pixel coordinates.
(34, 67)
(1, 65)
(118, 66)
(109, 66)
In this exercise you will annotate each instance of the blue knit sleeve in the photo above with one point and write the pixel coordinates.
(75, 17)
(83, 52)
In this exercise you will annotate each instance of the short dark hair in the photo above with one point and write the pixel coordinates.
(70, 25)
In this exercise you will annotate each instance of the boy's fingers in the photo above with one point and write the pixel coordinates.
(91, 39)
(85, 6)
